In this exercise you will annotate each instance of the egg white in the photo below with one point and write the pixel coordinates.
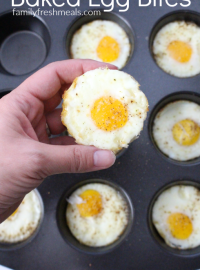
(22, 225)
(163, 125)
(88, 88)
(86, 40)
(178, 199)
(103, 228)
(178, 31)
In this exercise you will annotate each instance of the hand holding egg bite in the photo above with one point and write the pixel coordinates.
(33, 159)
(104, 108)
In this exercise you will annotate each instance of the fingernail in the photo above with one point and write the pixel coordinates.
(104, 158)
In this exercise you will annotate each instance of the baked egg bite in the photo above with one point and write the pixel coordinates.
(96, 214)
(23, 222)
(176, 130)
(104, 108)
(176, 49)
(176, 216)
(103, 41)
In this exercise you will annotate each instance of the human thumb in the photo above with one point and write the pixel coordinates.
(75, 159)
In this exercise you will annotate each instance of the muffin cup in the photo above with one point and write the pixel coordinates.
(181, 15)
(24, 43)
(66, 233)
(183, 95)
(15, 246)
(153, 231)
(121, 152)
(109, 16)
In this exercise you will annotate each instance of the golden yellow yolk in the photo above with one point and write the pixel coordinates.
(186, 132)
(109, 114)
(108, 49)
(180, 51)
(180, 226)
(13, 214)
(92, 204)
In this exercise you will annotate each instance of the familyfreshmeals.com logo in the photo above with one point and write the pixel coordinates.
(122, 4)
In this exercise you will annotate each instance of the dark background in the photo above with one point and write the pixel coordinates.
(140, 171)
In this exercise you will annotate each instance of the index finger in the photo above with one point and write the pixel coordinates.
(45, 83)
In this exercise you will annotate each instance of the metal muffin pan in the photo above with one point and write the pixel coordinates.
(140, 171)
(109, 16)
(180, 15)
(160, 241)
(18, 245)
(184, 95)
(25, 42)
(64, 229)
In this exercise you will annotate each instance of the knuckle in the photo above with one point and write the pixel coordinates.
(36, 159)
(36, 163)
(78, 160)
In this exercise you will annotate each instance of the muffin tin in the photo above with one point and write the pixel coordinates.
(67, 235)
(140, 171)
(182, 95)
(187, 16)
(24, 41)
(15, 246)
(114, 17)
(183, 253)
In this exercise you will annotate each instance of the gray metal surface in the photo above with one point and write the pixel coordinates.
(140, 171)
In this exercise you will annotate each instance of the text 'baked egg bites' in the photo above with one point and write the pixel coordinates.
(23, 222)
(176, 216)
(104, 108)
(97, 214)
(176, 49)
(176, 130)
(103, 41)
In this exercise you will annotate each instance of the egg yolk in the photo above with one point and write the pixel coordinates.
(109, 114)
(108, 49)
(180, 51)
(180, 226)
(13, 214)
(186, 132)
(92, 204)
